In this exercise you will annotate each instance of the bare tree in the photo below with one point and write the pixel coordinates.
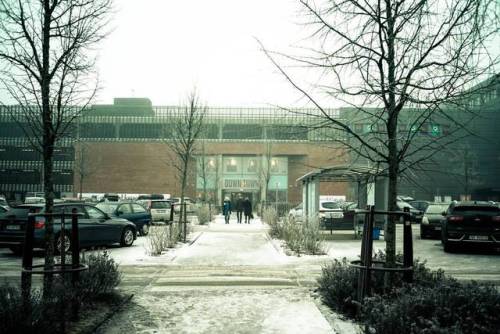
(46, 68)
(84, 166)
(265, 174)
(187, 127)
(392, 60)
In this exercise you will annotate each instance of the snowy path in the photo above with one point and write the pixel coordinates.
(231, 279)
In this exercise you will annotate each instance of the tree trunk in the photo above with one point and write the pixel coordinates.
(392, 127)
(48, 147)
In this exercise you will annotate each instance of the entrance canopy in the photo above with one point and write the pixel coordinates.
(360, 174)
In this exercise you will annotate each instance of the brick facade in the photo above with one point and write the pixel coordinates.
(144, 167)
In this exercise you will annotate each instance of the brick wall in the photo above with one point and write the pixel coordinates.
(145, 167)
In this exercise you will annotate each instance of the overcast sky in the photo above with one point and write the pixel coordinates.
(160, 49)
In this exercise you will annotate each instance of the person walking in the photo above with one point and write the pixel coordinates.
(247, 209)
(226, 209)
(239, 208)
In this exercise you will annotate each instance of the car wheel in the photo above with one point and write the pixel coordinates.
(145, 229)
(59, 241)
(17, 250)
(127, 237)
(422, 234)
(448, 248)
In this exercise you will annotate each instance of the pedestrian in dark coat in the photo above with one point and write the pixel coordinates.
(226, 209)
(247, 209)
(239, 208)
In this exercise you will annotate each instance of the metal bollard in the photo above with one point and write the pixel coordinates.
(75, 260)
(407, 247)
(28, 264)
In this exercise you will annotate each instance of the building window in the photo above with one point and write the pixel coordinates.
(211, 165)
(231, 165)
(252, 166)
(274, 165)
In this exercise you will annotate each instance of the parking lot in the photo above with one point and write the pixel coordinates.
(467, 264)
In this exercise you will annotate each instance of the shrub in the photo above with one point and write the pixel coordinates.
(337, 286)
(102, 277)
(312, 238)
(204, 214)
(48, 312)
(446, 307)
(433, 303)
(156, 240)
(302, 238)
(270, 216)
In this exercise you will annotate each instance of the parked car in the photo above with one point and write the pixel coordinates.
(111, 197)
(96, 228)
(419, 205)
(415, 214)
(471, 223)
(133, 212)
(159, 209)
(432, 220)
(34, 200)
(190, 206)
(149, 197)
(3, 201)
(296, 213)
(329, 212)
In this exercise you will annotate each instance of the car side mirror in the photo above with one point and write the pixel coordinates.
(106, 216)
(443, 213)
(118, 213)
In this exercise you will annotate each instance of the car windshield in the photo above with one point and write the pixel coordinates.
(476, 210)
(436, 209)
(160, 205)
(330, 205)
(107, 207)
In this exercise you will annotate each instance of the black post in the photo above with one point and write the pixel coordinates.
(366, 254)
(75, 260)
(185, 220)
(27, 265)
(172, 213)
(407, 247)
(63, 241)
(369, 250)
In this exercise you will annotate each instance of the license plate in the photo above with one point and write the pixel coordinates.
(478, 237)
(337, 215)
(437, 228)
(13, 227)
(160, 211)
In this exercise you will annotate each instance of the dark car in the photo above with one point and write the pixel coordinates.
(134, 212)
(471, 223)
(419, 205)
(415, 214)
(432, 220)
(96, 228)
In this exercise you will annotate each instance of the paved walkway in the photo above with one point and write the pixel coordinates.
(231, 279)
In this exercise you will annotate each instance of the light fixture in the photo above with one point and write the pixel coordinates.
(233, 162)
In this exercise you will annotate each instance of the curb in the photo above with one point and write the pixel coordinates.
(277, 248)
(109, 315)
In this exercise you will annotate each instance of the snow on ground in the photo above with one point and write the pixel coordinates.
(221, 311)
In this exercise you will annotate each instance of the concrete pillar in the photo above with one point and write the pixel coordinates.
(362, 194)
(219, 180)
(381, 193)
(305, 202)
(117, 131)
(313, 197)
